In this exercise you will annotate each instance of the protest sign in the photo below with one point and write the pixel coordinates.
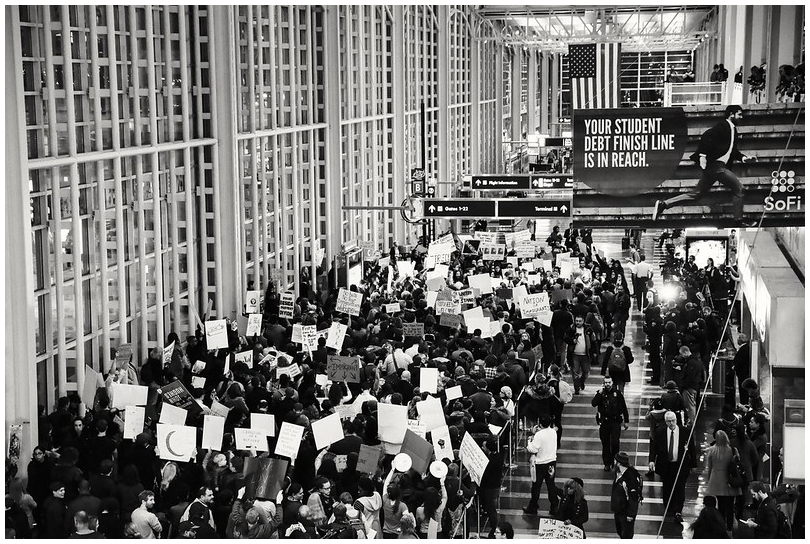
(245, 357)
(133, 421)
(495, 327)
(555, 529)
(286, 306)
(291, 370)
(566, 269)
(176, 394)
(213, 432)
(329, 430)
(436, 248)
(297, 335)
(446, 306)
(453, 392)
(128, 395)
(523, 236)
(493, 252)
(504, 293)
(446, 239)
(413, 329)
(442, 444)
(473, 313)
(464, 296)
(172, 415)
(533, 279)
(336, 335)
(525, 250)
(392, 308)
(392, 422)
(473, 458)
(264, 477)
(417, 427)
(265, 423)
(419, 450)
(252, 302)
(431, 297)
(544, 318)
(532, 305)
(346, 411)
(559, 294)
(216, 334)
(309, 337)
(198, 382)
(478, 323)
(349, 302)
(289, 440)
(219, 409)
(518, 292)
(482, 282)
(435, 280)
(449, 320)
(405, 269)
(431, 413)
(368, 459)
(247, 439)
(176, 442)
(254, 325)
(92, 380)
(428, 379)
(340, 368)
(487, 237)
(123, 355)
(167, 354)
(513, 261)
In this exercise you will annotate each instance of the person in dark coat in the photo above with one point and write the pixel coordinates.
(672, 456)
(709, 523)
(54, 511)
(39, 479)
(619, 378)
(715, 154)
(625, 496)
(742, 365)
(573, 507)
(765, 524)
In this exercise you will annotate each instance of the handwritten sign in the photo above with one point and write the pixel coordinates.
(349, 302)
(254, 326)
(292, 370)
(289, 440)
(219, 409)
(525, 250)
(446, 307)
(216, 334)
(488, 237)
(449, 320)
(339, 368)
(464, 296)
(123, 355)
(309, 337)
(286, 306)
(167, 354)
(133, 421)
(413, 329)
(473, 458)
(533, 305)
(336, 335)
(556, 529)
(247, 439)
(417, 427)
(392, 308)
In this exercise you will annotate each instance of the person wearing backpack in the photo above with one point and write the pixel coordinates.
(581, 343)
(616, 361)
(625, 496)
(766, 522)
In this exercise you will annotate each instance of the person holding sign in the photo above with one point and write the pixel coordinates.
(716, 152)
(573, 507)
(542, 464)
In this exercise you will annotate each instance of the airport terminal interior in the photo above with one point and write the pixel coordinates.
(405, 271)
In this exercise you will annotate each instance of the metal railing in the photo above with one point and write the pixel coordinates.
(684, 94)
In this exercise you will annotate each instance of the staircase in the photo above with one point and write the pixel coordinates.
(774, 133)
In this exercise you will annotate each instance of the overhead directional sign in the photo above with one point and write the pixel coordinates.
(521, 182)
(497, 208)
(525, 207)
(459, 208)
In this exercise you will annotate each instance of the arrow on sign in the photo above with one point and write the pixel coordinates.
(478, 182)
(536, 183)
(431, 208)
(563, 208)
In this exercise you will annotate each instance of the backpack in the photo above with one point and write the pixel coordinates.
(639, 485)
(617, 362)
(566, 392)
(736, 472)
(783, 529)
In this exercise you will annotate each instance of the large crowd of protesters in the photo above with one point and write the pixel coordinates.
(85, 481)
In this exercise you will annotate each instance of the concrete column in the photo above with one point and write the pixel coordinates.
(334, 230)
(785, 44)
(475, 88)
(401, 176)
(500, 166)
(514, 74)
(737, 38)
(555, 87)
(443, 64)
(223, 83)
(544, 92)
(21, 370)
(531, 110)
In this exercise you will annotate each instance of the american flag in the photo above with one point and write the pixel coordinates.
(594, 69)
